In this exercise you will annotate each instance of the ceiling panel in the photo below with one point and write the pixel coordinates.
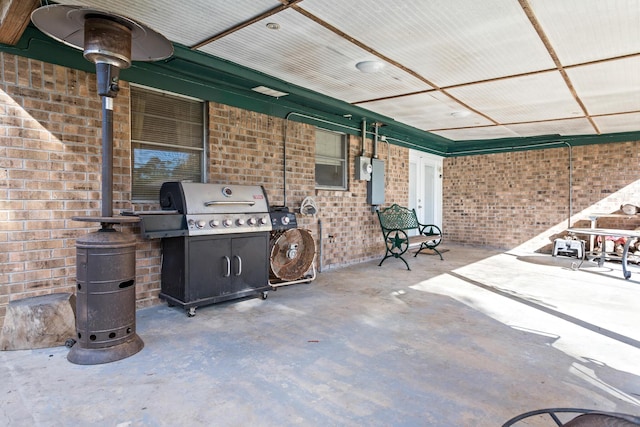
(492, 59)
(477, 133)
(608, 87)
(186, 21)
(307, 54)
(618, 123)
(427, 111)
(590, 30)
(521, 99)
(446, 41)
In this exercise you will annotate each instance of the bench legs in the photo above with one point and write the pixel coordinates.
(397, 243)
(394, 256)
(426, 245)
(430, 230)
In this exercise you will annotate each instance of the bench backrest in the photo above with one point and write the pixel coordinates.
(397, 217)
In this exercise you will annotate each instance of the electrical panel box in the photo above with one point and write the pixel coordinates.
(363, 168)
(375, 187)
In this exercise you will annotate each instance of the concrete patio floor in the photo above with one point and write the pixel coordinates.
(469, 341)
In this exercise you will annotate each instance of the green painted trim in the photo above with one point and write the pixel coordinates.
(468, 148)
(213, 79)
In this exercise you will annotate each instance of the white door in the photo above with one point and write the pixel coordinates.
(425, 187)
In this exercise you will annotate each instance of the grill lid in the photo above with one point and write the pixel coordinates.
(199, 198)
(217, 208)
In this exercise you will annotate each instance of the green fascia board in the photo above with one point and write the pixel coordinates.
(469, 148)
(206, 77)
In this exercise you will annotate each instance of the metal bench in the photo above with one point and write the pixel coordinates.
(395, 222)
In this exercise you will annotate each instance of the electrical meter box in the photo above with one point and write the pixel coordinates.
(363, 168)
(375, 187)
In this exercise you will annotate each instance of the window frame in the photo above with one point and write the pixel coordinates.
(202, 149)
(344, 160)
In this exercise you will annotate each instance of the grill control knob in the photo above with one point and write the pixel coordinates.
(264, 220)
(227, 222)
(285, 220)
(240, 221)
(201, 224)
(214, 223)
(252, 221)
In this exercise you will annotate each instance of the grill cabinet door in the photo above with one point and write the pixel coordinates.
(201, 270)
(250, 262)
(210, 269)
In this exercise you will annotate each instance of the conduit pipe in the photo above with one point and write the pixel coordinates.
(376, 126)
(418, 147)
(364, 136)
(541, 144)
(319, 257)
(284, 145)
(570, 183)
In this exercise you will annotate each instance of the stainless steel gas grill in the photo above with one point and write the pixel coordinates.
(215, 242)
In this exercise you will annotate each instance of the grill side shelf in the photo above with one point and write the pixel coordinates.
(160, 226)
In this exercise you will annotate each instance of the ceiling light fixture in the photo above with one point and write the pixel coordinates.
(370, 66)
(460, 114)
(268, 91)
(273, 26)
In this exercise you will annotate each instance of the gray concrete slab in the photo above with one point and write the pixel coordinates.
(469, 341)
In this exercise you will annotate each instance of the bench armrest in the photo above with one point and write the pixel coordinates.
(429, 230)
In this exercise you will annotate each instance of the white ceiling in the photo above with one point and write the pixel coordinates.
(461, 69)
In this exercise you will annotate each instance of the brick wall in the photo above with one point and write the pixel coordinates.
(50, 171)
(521, 199)
(248, 148)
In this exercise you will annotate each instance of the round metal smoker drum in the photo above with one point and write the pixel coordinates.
(292, 253)
(105, 298)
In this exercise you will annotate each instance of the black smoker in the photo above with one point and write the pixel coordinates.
(105, 298)
(215, 242)
(105, 303)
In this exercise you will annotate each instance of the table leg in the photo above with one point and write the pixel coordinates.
(602, 249)
(625, 272)
(592, 238)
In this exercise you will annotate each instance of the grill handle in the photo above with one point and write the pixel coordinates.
(226, 258)
(239, 265)
(229, 202)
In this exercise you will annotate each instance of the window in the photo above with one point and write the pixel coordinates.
(331, 160)
(167, 141)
